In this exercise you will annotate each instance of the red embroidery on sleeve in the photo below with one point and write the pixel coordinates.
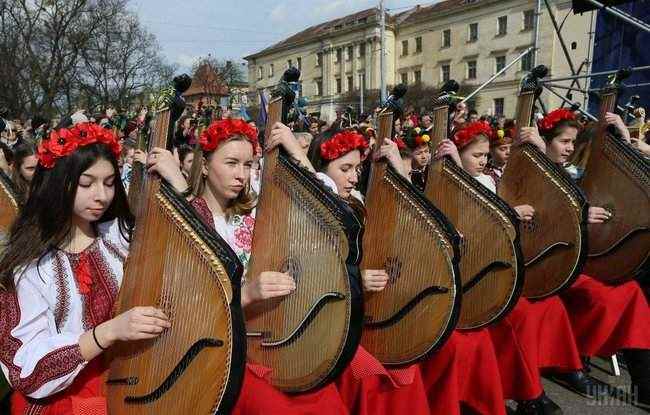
(56, 364)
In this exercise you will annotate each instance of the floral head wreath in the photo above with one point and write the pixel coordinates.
(65, 141)
(415, 137)
(341, 144)
(470, 131)
(553, 118)
(222, 130)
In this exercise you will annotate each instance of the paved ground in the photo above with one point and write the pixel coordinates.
(620, 401)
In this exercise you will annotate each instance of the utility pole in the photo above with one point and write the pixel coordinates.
(382, 56)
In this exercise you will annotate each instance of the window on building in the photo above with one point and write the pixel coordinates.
(417, 77)
(473, 32)
(500, 62)
(498, 106)
(529, 19)
(362, 50)
(271, 71)
(446, 38)
(350, 85)
(471, 69)
(338, 86)
(260, 72)
(418, 44)
(339, 54)
(350, 52)
(405, 47)
(319, 59)
(445, 73)
(319, 87)
(527, 62)
(502, 26)
(289, 63)
(299, 63)
(404, 78)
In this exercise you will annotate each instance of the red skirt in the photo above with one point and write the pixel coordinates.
(86, 396)
(258, 396)
(607, 318)
(464, 370)
(534, 336)
(368, 388)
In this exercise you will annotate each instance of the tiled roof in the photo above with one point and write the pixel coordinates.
(441, 7)
(206, 82)
(322, 29)
(328, 28)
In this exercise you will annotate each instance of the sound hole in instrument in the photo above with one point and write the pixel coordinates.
(393, 267)
(292, 267)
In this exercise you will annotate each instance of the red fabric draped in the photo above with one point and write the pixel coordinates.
(86, 396)
(535, 335)
(464, 370)
(258, 396)
(368, 388)
(607, 318)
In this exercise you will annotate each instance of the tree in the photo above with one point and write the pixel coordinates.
(209, 69)
(57, 52)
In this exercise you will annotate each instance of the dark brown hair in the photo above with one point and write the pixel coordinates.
(45, 220)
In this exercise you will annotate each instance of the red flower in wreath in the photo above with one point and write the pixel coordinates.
(65, 141)
(553, 118)
(401, 145)
(222, 130)
(470, 131)
(341, 144)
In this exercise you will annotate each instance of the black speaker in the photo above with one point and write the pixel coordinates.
(581, 6)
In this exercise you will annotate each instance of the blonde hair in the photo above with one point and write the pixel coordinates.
(243, 204)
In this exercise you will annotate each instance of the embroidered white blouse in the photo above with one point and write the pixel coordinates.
(42, 319)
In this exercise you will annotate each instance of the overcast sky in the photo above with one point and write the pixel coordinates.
(233, 29)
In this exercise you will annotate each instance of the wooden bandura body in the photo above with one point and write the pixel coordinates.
(418, 247)
(617, 178)
(491, 265)
(308, 337)
(554, 243)
(8, 207)
(180, 266)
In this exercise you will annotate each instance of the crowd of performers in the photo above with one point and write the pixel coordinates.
(62, 265)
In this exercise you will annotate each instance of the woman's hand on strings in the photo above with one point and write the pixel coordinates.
(164, 163)
(530, 135)
(138, 323)
(525, 212)
(282, 135)
(641, 145)
(617, 121)
(268, 284)
(598, 215)
(140, 156)
(390, 152)
(448, 148)
(374, 279)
